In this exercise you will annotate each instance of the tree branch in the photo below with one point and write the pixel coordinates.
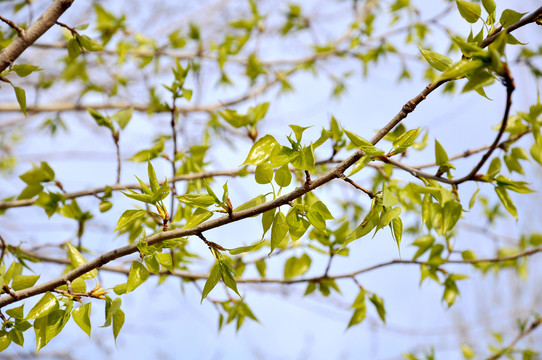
(27, 37)
(334, 173)
(194, 276)
(17, 28)
(520, 336)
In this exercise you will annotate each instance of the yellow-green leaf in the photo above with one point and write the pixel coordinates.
(137, 276)
(81, 315)
(77, 260)
(47, 304)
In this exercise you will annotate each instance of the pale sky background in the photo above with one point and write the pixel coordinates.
(168, 322)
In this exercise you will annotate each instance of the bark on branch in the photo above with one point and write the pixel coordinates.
(27, 37)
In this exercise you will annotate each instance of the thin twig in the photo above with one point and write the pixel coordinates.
(520, 336)
(332, 174)
(354, 184)
(12, 24)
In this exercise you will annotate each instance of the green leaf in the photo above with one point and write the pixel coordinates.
(360, 164)
(305, 160)
(261, 266)
(199, 200)
(81, 316)
(25, 69)
(199, 216)
(74, 49)
(162, 192)
(536, 152)
(263, 174)
(478, 80)
(88, 43)
(137, 276)
(397, 231)
(509, 17)
(212, 280)
(226, 272)
(111, 307)
(153, 180)
(118, 322)
(489, 5)
(17, 312)
(100, 119)
(5, 340)
(283, 176)
(21, 282)
(123, 117)
(278, 231)
(165, 260)
(360, 143)
(359, 315)
(436, 60)
(298, 131)
(506, 201)
(388, 199)
(258, 200)
(461, 69)
(105, 206)
(244, 249)
(21, 98)
(77, 260)
(441, 158)
(468, 352)
(295, 266)
(46, 305)
(379, 305)
(261, 150)
(469, 11)
(128, 217)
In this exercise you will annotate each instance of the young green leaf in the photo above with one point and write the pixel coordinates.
(137, 276)
(198, 200)
(469, 11)
(21, 282)
(21, 98)
(489, 5)
(509, 17)
(199, 216)
(25, 69)
(46, 305)
(258, 200)
(261, 150)
(77, 260)
(278, 231)
(263, 174)
(212, 280)
(436, 60)
(128, 217)
(379, 305)
(81, 316)
(283, 176)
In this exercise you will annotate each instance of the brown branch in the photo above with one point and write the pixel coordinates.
(194, 276)
(354, 184)
(119, 187)
(468, 153)
(508, 81)
(72, 30)
(520, 336)
(532, 17)
(119, 161)
(332, 174)
(27, 37)
(12, 24)
(472, 175)
(208, 108)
